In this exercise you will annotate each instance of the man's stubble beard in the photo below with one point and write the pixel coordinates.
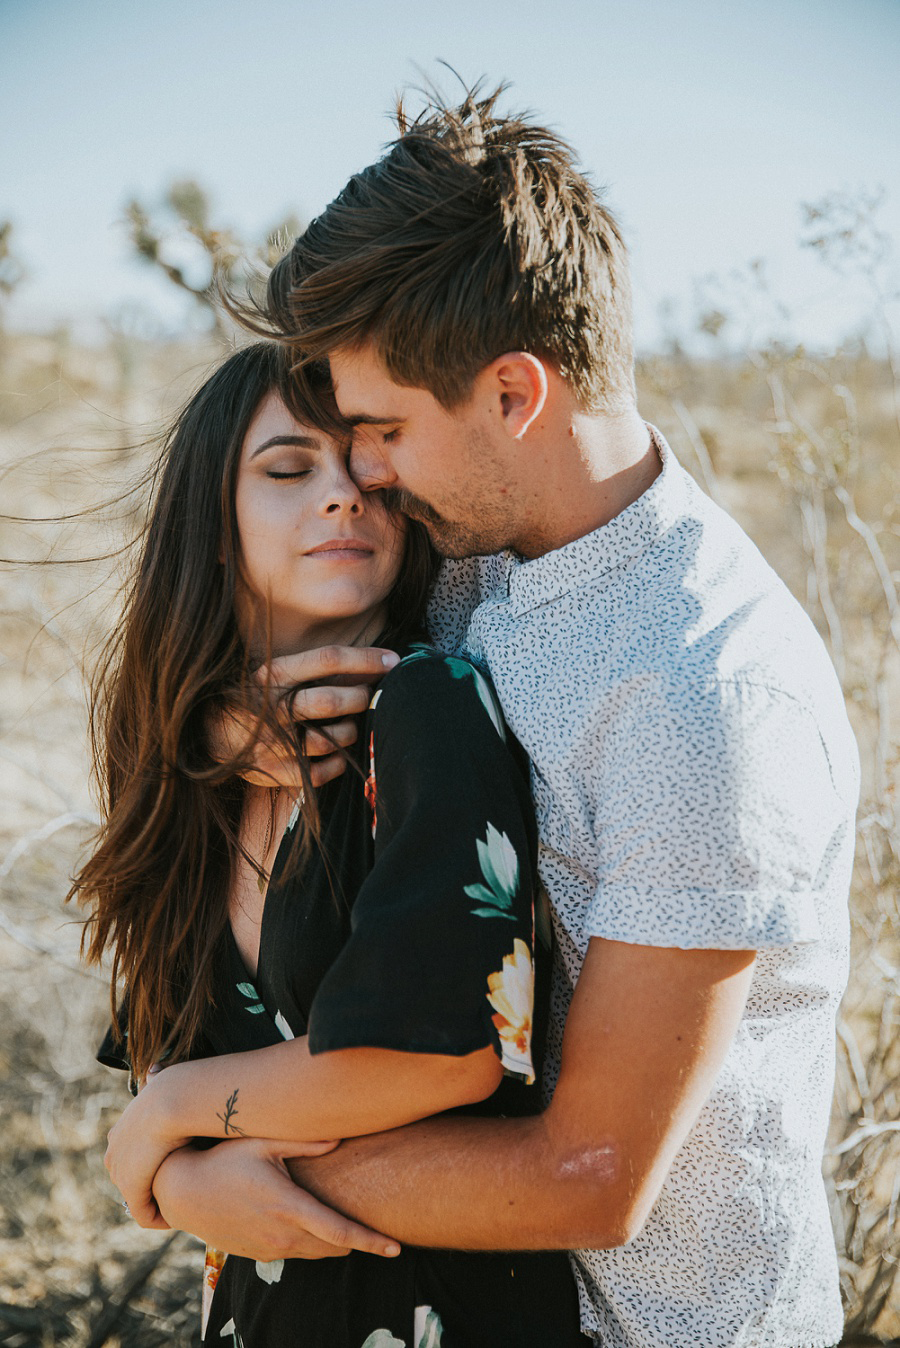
(451, 539)
(477, 530)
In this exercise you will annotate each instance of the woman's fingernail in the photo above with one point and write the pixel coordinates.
(390, 658)
(392, 1250)
(153, 1069)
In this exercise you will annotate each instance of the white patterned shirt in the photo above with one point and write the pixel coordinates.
(695, 780)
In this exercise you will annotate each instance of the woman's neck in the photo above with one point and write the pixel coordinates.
(357, 630)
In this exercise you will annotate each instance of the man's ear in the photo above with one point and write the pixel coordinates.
(523, 386)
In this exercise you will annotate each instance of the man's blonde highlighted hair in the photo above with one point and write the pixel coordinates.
(476, 234)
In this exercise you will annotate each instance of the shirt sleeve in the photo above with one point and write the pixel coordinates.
(440, 956)
(716, 818)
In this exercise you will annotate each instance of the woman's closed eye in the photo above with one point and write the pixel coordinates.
(287, 474)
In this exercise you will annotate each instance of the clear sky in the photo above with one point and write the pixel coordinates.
(708, 122)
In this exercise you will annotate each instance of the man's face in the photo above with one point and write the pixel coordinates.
(446, 469)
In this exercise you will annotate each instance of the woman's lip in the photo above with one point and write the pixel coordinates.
(347, 545)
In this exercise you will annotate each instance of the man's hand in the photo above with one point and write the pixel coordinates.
(336, 686)
(238, 1197)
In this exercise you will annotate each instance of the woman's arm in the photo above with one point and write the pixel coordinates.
(263, 1206)
(284, 1092)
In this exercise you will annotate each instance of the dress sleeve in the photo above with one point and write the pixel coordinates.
(440, 956)
(113, 1050)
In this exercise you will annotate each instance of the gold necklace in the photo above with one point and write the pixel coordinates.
(263, 879)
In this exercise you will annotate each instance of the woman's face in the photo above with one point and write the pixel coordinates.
(322, 555)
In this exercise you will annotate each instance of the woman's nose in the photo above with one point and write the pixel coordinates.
(343, 497)
(340, 507)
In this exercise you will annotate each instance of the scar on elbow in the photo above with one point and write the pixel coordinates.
(600, 1164)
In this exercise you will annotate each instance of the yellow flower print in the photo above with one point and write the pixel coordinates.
(512, 997)
(215, 1262)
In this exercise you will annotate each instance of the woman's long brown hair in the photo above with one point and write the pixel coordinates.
(157, 883)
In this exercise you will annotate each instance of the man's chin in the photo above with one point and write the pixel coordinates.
(451, 542)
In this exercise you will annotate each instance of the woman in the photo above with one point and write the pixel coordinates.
(334, 965)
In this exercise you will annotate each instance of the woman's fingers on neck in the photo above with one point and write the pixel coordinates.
(363, 664)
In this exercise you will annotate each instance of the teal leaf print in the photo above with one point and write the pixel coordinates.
(230, 1328)
(247, 990)
(383, 1338)
(461, 669)
(500, 869)
(464, 669)
(428, 1329)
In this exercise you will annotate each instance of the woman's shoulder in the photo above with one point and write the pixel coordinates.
(428, 679)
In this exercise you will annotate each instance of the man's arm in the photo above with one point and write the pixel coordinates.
(647, 1033)
(646, 1036)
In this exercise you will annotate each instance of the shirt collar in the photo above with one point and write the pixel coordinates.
(631, 533)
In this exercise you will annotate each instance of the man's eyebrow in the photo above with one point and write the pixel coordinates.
(364, 420)
(304, 442)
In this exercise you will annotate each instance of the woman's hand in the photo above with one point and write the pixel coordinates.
(137, 1146)
(337, 687)
(238, 1197)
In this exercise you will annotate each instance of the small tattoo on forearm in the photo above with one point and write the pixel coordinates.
(227, 1118)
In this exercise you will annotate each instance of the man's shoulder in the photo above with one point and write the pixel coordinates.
(462, 584)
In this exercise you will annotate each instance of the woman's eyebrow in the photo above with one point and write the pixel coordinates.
(304, 442)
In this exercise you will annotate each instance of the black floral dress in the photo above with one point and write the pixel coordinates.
(417, 935)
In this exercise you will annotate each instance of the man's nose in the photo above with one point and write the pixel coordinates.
(368, 468)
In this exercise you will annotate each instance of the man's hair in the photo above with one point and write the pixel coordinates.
(475, 234)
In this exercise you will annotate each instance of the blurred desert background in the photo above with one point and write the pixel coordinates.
(802, 447)
(728, 135)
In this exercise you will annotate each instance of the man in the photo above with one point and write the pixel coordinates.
(694, 774)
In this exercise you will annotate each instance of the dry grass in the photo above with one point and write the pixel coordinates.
(803, 452)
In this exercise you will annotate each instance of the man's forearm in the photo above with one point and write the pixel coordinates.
(462, 1183)
(647, 1033)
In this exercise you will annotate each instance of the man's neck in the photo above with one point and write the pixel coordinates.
(584, 476)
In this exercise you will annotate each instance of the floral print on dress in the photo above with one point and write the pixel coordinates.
(255, 1006)
(371, 788)
(500, 872)
(212, 1268)
(427, 1332)
(511, 994)
(464, 669)
(270, 1270)
(236, 1340)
